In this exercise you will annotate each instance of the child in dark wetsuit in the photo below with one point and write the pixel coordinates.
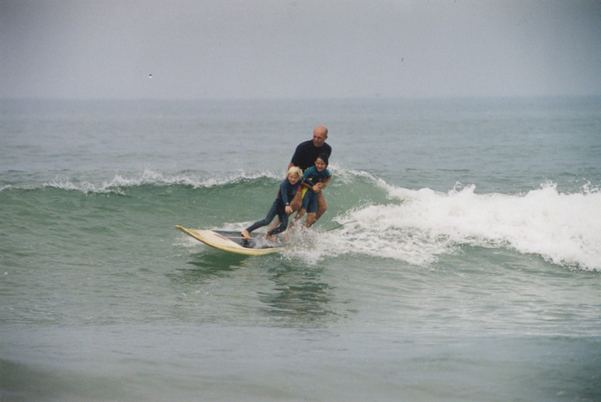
(316, 178)
(281, 205)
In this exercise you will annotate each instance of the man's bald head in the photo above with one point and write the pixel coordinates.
(320, 135)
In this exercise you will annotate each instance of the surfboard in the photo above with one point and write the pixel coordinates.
(230, 241)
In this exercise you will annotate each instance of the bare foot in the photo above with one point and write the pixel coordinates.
(272, 237)
(245, 234)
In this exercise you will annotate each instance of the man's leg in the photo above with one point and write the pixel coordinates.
(299, 215)
(321, 205)
(310, 220)
(297, 202)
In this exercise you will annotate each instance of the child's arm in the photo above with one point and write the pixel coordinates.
(307, 184)
(284, 193)
(324, 184)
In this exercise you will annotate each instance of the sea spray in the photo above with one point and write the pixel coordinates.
(562, 228)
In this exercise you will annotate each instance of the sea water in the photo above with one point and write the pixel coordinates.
(459, 258)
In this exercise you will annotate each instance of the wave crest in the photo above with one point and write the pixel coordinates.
(562, 228)
(149, 178)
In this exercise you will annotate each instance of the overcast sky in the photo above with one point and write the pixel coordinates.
(206, 49)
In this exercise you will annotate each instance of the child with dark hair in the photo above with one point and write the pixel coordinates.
(316, 178)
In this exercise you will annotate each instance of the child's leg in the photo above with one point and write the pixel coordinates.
(270, 215)
(295, 204)
(273, 224)
(311, 211)
(282, 226)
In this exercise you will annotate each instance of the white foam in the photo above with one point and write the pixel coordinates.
(148, 177)
(562, 228)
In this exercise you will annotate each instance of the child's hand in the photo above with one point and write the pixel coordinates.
(316, 188)
(288, 209)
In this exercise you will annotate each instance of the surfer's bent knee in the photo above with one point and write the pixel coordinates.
(321, 204)
(296, 202)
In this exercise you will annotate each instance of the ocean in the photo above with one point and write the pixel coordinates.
(459, 258)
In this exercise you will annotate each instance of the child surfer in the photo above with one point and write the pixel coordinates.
(316, 178)
(281, 205)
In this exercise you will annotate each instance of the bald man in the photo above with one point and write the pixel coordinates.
(304, 157)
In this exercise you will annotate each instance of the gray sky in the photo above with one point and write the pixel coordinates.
(298, 48)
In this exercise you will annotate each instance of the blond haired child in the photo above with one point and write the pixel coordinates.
(281, 205)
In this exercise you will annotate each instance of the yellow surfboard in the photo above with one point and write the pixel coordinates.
(230, 241)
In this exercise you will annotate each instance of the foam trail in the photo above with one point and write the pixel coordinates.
(562, 228)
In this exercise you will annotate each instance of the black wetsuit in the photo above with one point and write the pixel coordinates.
(306, 153)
